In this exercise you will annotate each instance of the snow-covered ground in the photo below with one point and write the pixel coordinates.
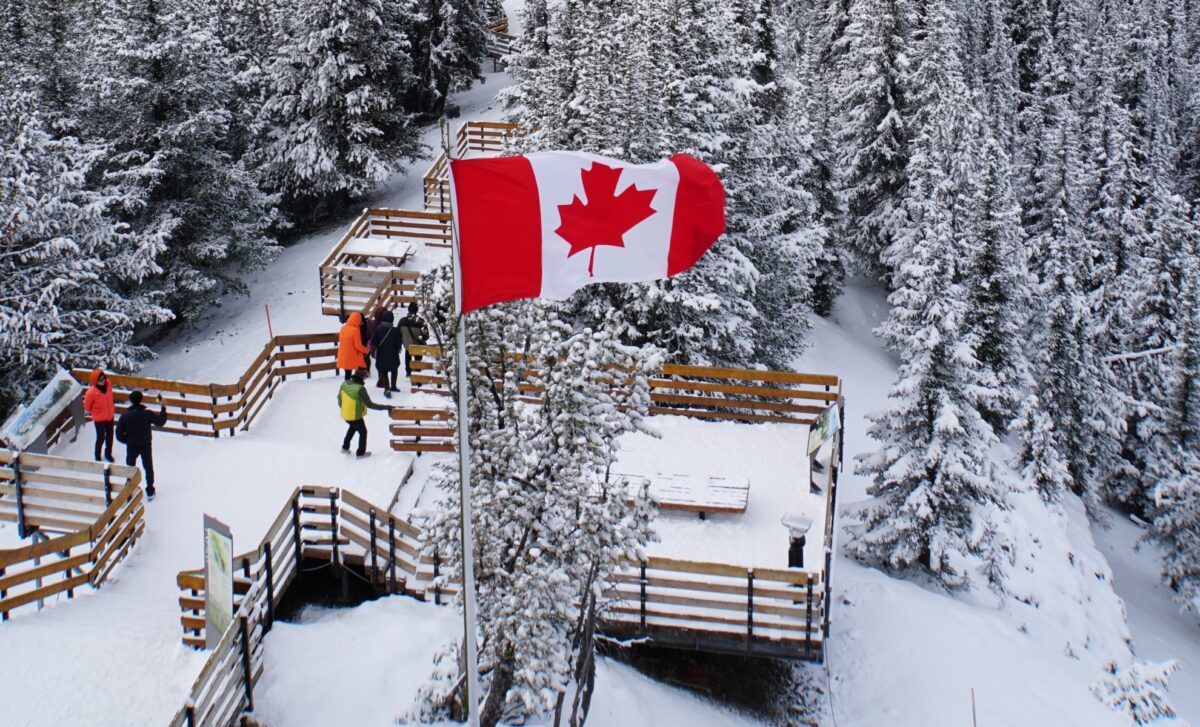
(370, 660)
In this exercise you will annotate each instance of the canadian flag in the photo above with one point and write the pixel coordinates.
(544, 225)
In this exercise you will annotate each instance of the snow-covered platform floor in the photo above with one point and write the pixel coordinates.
(131, 627)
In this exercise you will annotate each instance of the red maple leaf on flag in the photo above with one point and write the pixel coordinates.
(606, 216)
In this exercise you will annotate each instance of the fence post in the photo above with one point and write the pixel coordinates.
(67, 574)
(749, 608)
(107, 485)
(828, 581)
(16, 468)
(341, 296)
(297, 541)
(189, 713)
(3, 593)
(333, 532)
(247, 669)
(437, 588)
(642, 582)
(391, 554)
(270, 586)
(374, 556)
(808, 620)
(307, 362)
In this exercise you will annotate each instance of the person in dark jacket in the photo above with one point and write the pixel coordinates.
(413, 332)
(385, 346)
(353, 402)
(134, 431)
(364, 335)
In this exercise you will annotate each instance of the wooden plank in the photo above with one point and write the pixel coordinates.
(305, 369)
(735, 588)
(75, 465)
(401, 413)
(54, 494)
(37, 550)
(402, 431)
(782, 377)
(739, 390)
(728, 416)
(7, 582)
(706, 618)
(306, 338)
(311, 353)
(423, 446)
(21, 599)
(691, 566)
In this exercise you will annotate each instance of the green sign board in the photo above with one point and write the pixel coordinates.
(824, 429)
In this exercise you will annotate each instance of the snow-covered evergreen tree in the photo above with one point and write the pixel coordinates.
(933, 475)
(56, 305)
(873, 129)
(999, 289)
(1139, 691)
(158, 99)
(449, 46)
(333, 122)
(550, 526)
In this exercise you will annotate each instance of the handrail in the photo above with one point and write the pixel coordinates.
(90, 514)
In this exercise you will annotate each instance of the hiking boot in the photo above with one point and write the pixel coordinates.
(360, 455)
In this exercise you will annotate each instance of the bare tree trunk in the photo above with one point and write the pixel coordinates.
(502, 679)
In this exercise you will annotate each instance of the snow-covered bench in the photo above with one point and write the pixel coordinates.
(700, 494)
(358, 250)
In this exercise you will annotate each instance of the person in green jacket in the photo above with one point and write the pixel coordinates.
(353, 401)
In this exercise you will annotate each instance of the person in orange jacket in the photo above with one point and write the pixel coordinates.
(98, 403)
(351, 349)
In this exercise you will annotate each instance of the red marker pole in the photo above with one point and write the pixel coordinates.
(270, 332)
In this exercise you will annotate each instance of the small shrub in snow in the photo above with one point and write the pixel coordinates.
(1140, 690)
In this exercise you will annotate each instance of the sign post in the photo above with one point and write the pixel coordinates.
(824, 428)
(218, 580)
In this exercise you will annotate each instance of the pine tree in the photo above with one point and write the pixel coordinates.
(873, 129)
(550, 526)
(999, 290)
(159, 95)
(57, 308)
(1139, 691)
(933, 475)
(334, 124)
(449, 46)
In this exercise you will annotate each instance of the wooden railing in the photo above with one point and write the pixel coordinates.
(346, 288)
(316, 524)
(744, 395)
(210, 409)
(723, 607)
(718, 607)
(481, 137)
(83, 518)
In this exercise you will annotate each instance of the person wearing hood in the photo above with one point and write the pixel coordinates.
(385, 347)
(353, 402)
(98, 403)
(351, 349)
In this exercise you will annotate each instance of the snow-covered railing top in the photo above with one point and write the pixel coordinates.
(82, 516)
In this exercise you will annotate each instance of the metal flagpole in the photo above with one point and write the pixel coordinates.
(470, 606)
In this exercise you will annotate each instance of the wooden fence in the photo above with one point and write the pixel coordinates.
(728, 608)
(481, 137)
(347, 287)
(316, 524)
(210, 409)
(83, 518)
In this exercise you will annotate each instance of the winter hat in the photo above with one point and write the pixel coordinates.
(412, 308)
(360, 375)
(135, 397)
(389, 317)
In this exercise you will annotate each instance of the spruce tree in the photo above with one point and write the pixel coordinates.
(333, 123)
(449, 46)
(550, 525)
(873, 129)
(933, 475)
(159, 97)
(57, 308)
